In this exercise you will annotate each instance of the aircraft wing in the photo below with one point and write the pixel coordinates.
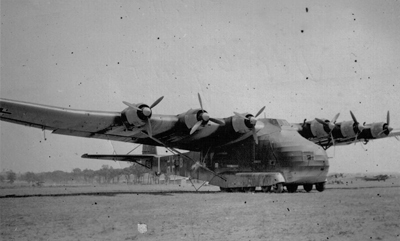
(193, 130)
(394, 133)
(81, 123)
(327, 133)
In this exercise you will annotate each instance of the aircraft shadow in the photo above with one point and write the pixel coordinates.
(108, 194)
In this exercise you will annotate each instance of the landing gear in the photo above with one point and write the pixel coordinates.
(249, 189)
(307, 187)
(320, 186)
(277, 188)
(266, 188)
(291, 188)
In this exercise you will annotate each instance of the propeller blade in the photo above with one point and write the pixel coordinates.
(260, 111)
(196, 126)
(156, 102)
(216, 121)
(131, 105)
(353, 117)
(201, 103)
(149, 129)
(335, 118)
(388, 118)
(255, 136)
(355, 140)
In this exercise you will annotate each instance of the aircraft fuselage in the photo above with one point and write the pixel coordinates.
(281, 157)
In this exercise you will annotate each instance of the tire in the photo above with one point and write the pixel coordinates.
(266, 188)
(291, 188)
(278, 188)
(249, 189)
(307, 187)
(320, 186)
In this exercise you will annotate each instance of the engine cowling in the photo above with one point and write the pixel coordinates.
(136, 118)
(192, 116)
(347, 130)
(138, 115)
(319, 130)
(381, 129)
(242, 125)
(377, 129)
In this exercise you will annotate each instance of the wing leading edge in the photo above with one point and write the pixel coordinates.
(130, 125)
(82, 123)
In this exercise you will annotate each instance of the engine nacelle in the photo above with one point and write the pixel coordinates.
(377, 128)
(135, 118)
(319, 130)
(242, 125)
(192, 116)
(347, 129)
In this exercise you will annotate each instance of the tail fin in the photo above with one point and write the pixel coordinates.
(147, 149)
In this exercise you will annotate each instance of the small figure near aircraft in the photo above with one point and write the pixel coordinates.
(237, 153)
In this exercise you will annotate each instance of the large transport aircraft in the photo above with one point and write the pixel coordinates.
(236, 153)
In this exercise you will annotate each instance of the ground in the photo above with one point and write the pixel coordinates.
(355, 210)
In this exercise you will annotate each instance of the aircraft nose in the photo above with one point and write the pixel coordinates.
(320, 154)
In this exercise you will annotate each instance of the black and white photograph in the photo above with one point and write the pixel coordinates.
(199, 120)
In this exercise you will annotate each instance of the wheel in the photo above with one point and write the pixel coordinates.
(249, 189)
(292, 188)
(307, 187)
(266, 188)
(278, 188)
(320, 186)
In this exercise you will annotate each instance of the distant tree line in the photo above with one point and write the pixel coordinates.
(9, 177)
(106, 174)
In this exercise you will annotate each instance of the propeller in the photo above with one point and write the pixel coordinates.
(251, 121)
(203, 118)
(386, 127)
(356, 126)
(146, 112)
(330, 125)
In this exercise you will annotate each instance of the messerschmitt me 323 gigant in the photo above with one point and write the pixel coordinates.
(237, 153)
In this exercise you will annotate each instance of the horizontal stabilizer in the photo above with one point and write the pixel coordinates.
(128, 158)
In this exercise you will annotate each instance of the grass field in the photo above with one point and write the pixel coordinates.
(355, 210)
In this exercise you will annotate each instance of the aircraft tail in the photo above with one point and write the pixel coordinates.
(147, 149)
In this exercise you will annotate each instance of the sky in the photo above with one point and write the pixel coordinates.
(300, 59)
